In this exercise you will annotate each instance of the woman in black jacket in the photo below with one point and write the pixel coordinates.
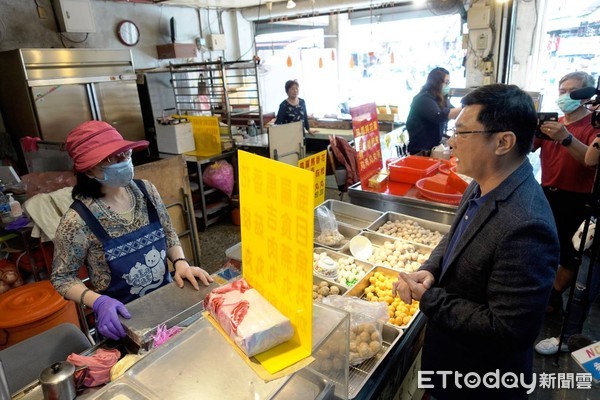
(429, 113)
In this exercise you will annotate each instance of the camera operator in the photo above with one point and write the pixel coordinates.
(582, 301)
(567, 181)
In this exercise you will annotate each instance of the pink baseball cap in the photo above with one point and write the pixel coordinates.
(93, 141)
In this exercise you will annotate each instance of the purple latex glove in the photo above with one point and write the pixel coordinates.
(17, 223)
(107, 312)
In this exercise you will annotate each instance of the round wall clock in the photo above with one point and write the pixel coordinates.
(128, 33)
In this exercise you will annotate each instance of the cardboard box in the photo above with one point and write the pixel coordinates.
(388, 117)
(175, 139)
(176, 50)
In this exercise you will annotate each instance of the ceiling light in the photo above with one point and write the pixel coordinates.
(290, 4)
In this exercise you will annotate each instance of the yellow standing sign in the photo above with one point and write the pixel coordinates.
(317, 163)
(277, 239)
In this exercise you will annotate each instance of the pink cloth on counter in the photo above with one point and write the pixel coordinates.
(29, 143)
(98, 367)
(163, 334)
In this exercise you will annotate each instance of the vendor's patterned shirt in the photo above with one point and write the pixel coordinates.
(76, 245)
(289, 113)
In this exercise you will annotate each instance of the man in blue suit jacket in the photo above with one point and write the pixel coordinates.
(486, 285)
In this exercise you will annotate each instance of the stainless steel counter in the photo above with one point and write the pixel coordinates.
(261, 140)
(200, 363)
(411, 203)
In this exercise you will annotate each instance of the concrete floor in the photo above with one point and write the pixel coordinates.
(566, 364)
(214, 241)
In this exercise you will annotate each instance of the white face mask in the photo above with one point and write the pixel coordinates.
(117, 175)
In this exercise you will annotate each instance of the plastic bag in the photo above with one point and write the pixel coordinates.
(366, 324)
(328, 226)
(220, 176)
(9, 275)
(590, 235)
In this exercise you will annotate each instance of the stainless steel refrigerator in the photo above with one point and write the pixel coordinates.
(47, 92)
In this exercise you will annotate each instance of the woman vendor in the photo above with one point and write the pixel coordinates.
(117, 227)
(429, 113)
(293, 108)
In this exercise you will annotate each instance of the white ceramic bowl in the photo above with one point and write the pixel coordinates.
(361, 247)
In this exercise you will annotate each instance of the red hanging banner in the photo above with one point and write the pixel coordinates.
(366, 141)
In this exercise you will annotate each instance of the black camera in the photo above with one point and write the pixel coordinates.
(543, 117)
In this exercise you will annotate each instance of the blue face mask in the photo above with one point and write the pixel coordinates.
(567, 104)
(446, 90)
(117, 175)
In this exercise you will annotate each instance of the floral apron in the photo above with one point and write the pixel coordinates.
(137, 260)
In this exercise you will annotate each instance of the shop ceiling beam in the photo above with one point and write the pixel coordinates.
(141, 1)
(320, 7)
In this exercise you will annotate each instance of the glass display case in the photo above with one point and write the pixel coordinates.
(331, 332)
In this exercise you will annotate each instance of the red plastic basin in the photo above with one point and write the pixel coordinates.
(438, 188)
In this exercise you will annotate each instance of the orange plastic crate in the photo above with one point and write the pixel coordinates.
(412, 168)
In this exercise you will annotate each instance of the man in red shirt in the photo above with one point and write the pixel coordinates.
(566, 181)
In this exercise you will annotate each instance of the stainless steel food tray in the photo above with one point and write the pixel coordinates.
(358, 290)
(392, 216)
(366, 266)
(317, 280)
(122, 389)
(198, 362)
(306, 384)
(349, 214)
(347, 231)
(378, 240)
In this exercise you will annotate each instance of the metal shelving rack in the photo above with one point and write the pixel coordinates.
(228, 89)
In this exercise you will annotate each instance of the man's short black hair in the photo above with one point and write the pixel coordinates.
(506, 108)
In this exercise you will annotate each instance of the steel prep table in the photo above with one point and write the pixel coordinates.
(410, 204)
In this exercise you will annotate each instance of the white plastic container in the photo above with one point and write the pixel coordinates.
(441, 152)
(326, 267)
(175, 139)
(15, 207)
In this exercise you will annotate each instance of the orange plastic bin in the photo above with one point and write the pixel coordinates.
(32, 309)
(412, 168)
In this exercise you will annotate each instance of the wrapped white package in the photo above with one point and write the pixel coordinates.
(247, 317)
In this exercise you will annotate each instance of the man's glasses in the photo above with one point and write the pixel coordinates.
(119, 157)
(455, 132)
